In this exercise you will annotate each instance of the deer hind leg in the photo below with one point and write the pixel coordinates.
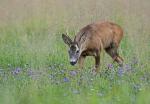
(112, 51)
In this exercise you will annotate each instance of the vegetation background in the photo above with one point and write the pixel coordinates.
(34, 66)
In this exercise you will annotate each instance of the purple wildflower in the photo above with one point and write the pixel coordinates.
(66, 79)
(120, 71)
(16, 71)
(110, 66)
(128, 67)
(73, 73)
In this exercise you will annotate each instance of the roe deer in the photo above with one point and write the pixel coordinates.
(90, 41)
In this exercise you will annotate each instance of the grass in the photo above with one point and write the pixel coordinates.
(34, 66)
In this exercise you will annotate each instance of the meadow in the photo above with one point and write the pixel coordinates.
(34, 65)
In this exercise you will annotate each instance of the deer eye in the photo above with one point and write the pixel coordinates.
(77, 51)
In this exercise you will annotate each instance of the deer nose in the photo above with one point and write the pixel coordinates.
(73, 62)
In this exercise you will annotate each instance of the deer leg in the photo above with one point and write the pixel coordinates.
(97, 63)
(81, 61)
(112, 51)
(118, 59)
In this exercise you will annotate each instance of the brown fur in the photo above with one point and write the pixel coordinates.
(97, 36)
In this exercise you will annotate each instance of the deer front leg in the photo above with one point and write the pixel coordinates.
(81, 61)
(97, 63)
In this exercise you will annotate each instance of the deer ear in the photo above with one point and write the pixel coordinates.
(66, 39)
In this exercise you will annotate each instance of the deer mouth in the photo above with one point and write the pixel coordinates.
(73, 63)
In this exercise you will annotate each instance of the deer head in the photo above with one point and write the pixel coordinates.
(74, 49)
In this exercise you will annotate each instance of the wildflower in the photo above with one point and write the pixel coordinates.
(73, 73)
(16, 71)
(120, 71)
(128, 67)
(66, 79)
(110, 66)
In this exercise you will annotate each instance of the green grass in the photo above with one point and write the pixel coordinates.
(35, 50)
(34, 66)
